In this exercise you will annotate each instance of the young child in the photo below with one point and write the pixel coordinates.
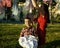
(28, 37)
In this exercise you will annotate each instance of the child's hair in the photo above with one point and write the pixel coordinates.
(27, 18)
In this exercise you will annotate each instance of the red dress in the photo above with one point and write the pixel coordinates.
(41, 28)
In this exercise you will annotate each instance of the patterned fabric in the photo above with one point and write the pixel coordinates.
(30, 29)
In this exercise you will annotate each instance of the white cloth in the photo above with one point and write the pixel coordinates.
(30, 42)
(15, 10)
(28, 6)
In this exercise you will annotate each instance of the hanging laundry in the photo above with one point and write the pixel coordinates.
(6, 3)
(1, 7)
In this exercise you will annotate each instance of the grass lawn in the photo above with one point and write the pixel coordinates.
(9, 34)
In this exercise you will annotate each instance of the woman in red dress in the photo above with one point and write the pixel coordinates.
(42, 20)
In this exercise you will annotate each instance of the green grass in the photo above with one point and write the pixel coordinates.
(9, 34)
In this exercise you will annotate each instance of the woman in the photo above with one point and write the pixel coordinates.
(42, 20)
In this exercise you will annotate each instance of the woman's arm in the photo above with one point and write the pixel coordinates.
(35, 4)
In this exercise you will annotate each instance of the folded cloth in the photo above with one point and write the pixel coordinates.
(30, 43)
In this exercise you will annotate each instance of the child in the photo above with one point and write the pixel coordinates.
(28, 37)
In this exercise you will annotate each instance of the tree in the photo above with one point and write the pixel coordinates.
(22, 1)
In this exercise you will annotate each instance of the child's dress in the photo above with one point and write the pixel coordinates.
(29, 41)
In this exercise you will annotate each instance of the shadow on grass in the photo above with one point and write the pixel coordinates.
(11, 21)
(12, 46)
(53, 44)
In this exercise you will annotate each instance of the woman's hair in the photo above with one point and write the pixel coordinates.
(44, 8)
